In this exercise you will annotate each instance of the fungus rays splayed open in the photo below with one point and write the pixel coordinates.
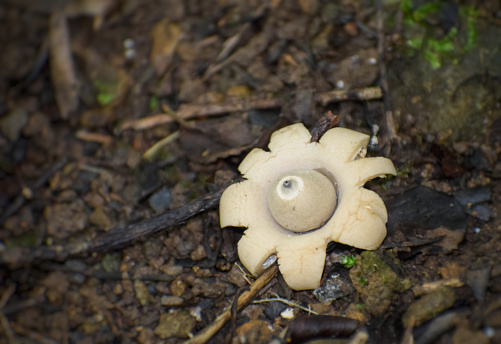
(300, 196)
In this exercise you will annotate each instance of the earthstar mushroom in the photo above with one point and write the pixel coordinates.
(301, 195)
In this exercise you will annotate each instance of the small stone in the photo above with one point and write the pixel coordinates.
(118, 289)
(254, 331)
(12, 123)
(309, 6)
(162, 288)
(274, 309)
(142, 293)
(57, 285)
(66, 219)
(175, 324)
(429, 306)
(199, 253)
(177, 287)
(173, 270)
(464, 335)
(99, 218)
(236, 277)
(333, 288)
(211, 290)
(478, 280)
(160, 200)
(111, 262)
(170, 301)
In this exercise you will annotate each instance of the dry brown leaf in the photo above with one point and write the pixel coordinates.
(66, 85)
(165, 36)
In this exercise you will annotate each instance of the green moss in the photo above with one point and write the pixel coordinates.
(376, 281)
(348, 261)
(436, 49)
(154, 103)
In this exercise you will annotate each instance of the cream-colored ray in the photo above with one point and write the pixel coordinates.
(363, 170)
(254, 248)
(343, 144)
(253, 161)
(240, 203)
(372, 200)
(302, 263)
(364, 230)
(290, 137)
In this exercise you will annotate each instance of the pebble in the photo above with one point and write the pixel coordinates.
(12, 123)
(478, 281)
(274, 309)
(99, 218)
(142, 293)
(428, 306)
(160, 200)
(177, 287)
(334, 287)
(176, 324)
(170, 301)
(464, 335)
(475, 195)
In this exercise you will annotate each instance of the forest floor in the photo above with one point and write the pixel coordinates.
(122, 121)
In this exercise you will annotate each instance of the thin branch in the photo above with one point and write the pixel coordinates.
(117, 237)
(390, 124)
(288, 303)
(211, 330)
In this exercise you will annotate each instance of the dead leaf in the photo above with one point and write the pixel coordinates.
(450, 238)
(165, 36)
(66, 85)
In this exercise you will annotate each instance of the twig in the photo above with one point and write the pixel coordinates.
(408, 337)
(190, 111)
(21, 199)
(7, 329)
(288, 303)
(31, 334)
(85, 135)
(244, 274)
(367, 93)
(21, 305)
(211, 330)
(328, 121)
(236, 104)
(234, 312)
(154, 150)
(390, 124)
(428, 288)
(62, 67)
(117, 237)
(3, 319)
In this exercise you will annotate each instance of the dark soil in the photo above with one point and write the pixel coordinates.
(122, 122)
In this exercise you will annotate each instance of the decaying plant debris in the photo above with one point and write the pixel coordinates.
(122, 121)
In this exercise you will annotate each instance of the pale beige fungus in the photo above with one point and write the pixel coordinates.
(294, 203)
(322, 200)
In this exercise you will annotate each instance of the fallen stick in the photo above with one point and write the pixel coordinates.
(388, 114)
(208, 332)
(117, 237)
(236, 104)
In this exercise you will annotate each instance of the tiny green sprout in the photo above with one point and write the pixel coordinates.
(363, 281)
(360, 306)
(349, 261)
(154, 103)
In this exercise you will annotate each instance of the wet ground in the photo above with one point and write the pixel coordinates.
(122, 121)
